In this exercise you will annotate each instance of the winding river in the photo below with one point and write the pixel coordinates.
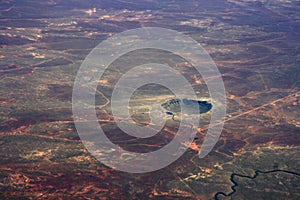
(257, 172)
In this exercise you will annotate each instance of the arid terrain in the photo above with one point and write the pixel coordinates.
(255, 45)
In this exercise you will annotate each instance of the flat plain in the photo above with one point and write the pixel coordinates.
(255, 46)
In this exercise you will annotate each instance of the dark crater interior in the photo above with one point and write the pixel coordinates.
(191, 106)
